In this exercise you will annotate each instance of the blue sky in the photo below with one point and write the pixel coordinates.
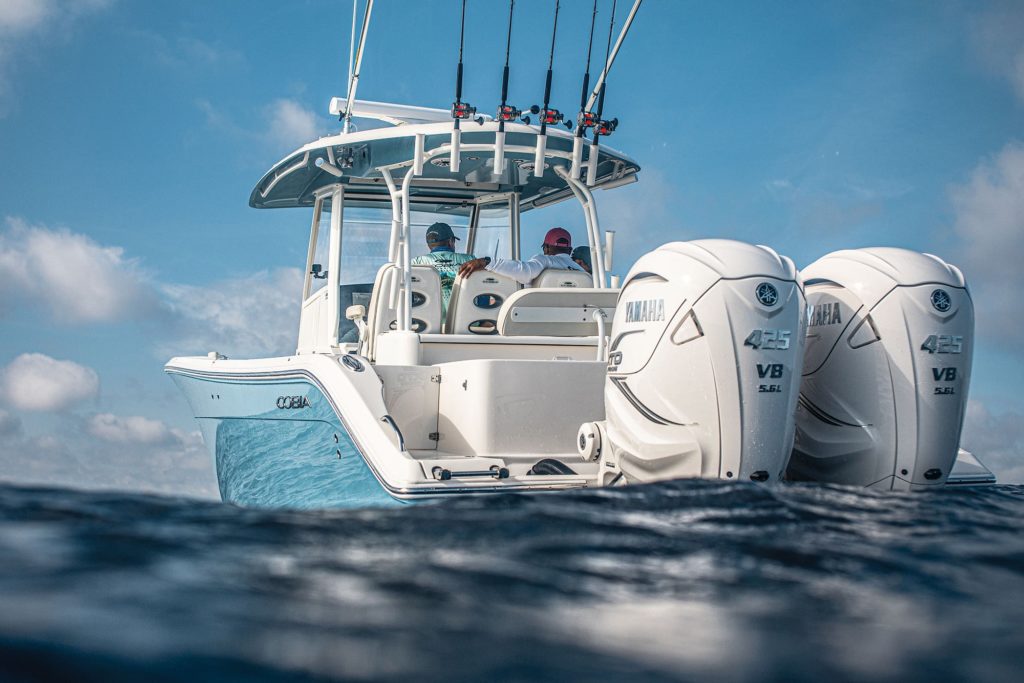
(132, 132)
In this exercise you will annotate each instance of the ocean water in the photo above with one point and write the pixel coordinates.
(695, 580)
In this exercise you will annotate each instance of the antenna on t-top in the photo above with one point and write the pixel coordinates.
(354, 65)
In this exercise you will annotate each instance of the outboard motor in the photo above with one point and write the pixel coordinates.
(703, 366)
(886, 369)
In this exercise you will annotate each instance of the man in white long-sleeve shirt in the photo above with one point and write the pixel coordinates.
(557, 248)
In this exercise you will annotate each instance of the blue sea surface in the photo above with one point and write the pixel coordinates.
(690, 581)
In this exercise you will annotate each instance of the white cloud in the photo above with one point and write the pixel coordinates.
(989, 211)
(26, 24)
(76, 458)
(10, 425)
(290, 124)
(22, 15)
(996, 35)
(285, 125)
(997, 440)
(78, 280)
(133, 429)
(253, 315)
(36, 382)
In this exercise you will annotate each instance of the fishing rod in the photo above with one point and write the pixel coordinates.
(547, 115)
(353, 82)
(584, 119)
(460, 110)
(610, 60)
(599, 123)
(506, 111)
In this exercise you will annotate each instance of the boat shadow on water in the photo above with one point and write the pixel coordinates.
(670, 581)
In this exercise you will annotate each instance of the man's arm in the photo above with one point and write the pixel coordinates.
(520, 271)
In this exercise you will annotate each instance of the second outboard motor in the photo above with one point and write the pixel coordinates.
(886, 369)
(703, 366)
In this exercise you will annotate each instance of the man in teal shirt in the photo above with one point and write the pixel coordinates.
(443, 258)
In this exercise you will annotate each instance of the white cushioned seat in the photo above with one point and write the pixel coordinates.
(556, 311)
(475, 301)
(426, 302)
(555, 277)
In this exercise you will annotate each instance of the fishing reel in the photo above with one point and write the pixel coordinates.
(606, 128)
(549, 117)
(464, 111)
(586, 119)
(508, 113)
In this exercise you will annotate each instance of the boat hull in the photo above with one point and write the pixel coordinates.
(279, 443)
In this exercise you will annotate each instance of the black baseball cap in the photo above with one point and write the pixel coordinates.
(440, 232)
(583, 254)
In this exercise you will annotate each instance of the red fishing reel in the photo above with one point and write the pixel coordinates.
(551, 116)
(508, 112)
(586, 119)
(605, 128)
(463, 111)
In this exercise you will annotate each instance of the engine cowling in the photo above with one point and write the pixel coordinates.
(887, 366)
(704, 366)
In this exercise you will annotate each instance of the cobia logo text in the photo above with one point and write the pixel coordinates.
(291, 402)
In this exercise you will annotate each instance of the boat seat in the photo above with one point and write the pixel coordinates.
(557, 277)
(426, 302)
(556, 311)
(473, 307)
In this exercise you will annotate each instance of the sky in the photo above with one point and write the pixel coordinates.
(132, 132)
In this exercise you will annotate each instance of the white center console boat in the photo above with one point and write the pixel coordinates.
(693, 368)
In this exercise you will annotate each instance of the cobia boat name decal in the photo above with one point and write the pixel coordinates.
(292, 402)
(645, 310)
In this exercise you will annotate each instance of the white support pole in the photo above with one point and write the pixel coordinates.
(405, 301)
(396, 215)
(586, 200)
(314, 230)
(334, 265)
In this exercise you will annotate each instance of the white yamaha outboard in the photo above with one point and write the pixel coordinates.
(703, 366)
(886, 369)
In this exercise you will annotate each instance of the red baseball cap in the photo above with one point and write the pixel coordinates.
(558, 237)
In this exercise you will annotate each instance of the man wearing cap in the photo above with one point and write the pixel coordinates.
(443, 258)
(557, 247)
(581, 255)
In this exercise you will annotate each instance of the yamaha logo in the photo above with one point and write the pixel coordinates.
(767, 294)
(292, 402)
(941, 300)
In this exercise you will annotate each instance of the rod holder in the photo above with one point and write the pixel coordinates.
(499, 152)
(419, 155)
(609, 249)
(592, 157)
(538, 159)
(577, 157)
(325, 165)
(455, 159)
